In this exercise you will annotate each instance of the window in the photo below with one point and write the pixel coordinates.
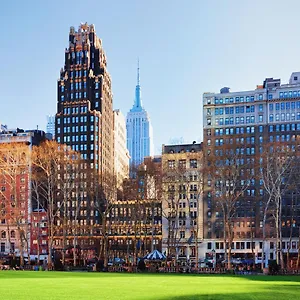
(2, 248)
(193, 163)
(182, 163)
(171, 164)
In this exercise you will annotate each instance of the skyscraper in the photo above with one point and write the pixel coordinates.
(51, 126)
(84, 118)
(139, 129)
(121, 153)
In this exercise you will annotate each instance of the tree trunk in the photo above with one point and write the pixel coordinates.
(263, 239)
(50, 245)
(64, 233)
(225, 240)
(74, 249)
(169, 237)
(8, 236)
(280, 234)
(152, 231)
(196, 245)
(229, 257)
(298, 257)
(230, 239)
(38, 231)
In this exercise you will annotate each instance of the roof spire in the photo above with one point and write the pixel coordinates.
(138, 72)
(138, 101)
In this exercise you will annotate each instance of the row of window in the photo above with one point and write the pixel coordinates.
(73, 110)
(12, 234)
(78, 96)
(243, 130)
(2, 247)
(82, 119)
(284, 127)
(78, 86)
(73, 129)
(284, 117)
(290, 94)
(238, 110)
(236, 130)
(237, 99)
(238, 120)
(67, 138)
(282, 95)
(182, 163)
(282, 138)
(78, 73)
(284, 105)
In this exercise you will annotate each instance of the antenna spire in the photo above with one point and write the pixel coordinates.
(138, 72)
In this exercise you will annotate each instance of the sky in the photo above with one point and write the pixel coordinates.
(185, 48)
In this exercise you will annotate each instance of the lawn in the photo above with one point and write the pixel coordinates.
(19, 285)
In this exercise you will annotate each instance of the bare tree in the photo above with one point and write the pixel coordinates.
(170, 209)
(276, 161)
(51, 163)
(103, 194)
(15, 167)
(232, 177)
(152, 182)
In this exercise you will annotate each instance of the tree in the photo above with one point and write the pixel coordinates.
(172, 184)
(54, 168)
(102, 192)
(232, 177)
(15, 171)
(153, 177)
(276, 174)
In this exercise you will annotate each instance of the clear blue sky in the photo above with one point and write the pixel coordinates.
(185, 48)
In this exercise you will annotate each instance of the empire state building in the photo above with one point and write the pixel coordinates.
(139, 129)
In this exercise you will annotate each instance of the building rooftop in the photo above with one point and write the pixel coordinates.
(182, 148)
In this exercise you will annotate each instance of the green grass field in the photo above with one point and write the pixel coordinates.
(18, 285)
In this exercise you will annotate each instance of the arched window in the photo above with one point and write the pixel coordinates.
(3, 235)
(13, 234)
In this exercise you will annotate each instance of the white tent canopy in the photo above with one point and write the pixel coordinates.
(155, 255)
